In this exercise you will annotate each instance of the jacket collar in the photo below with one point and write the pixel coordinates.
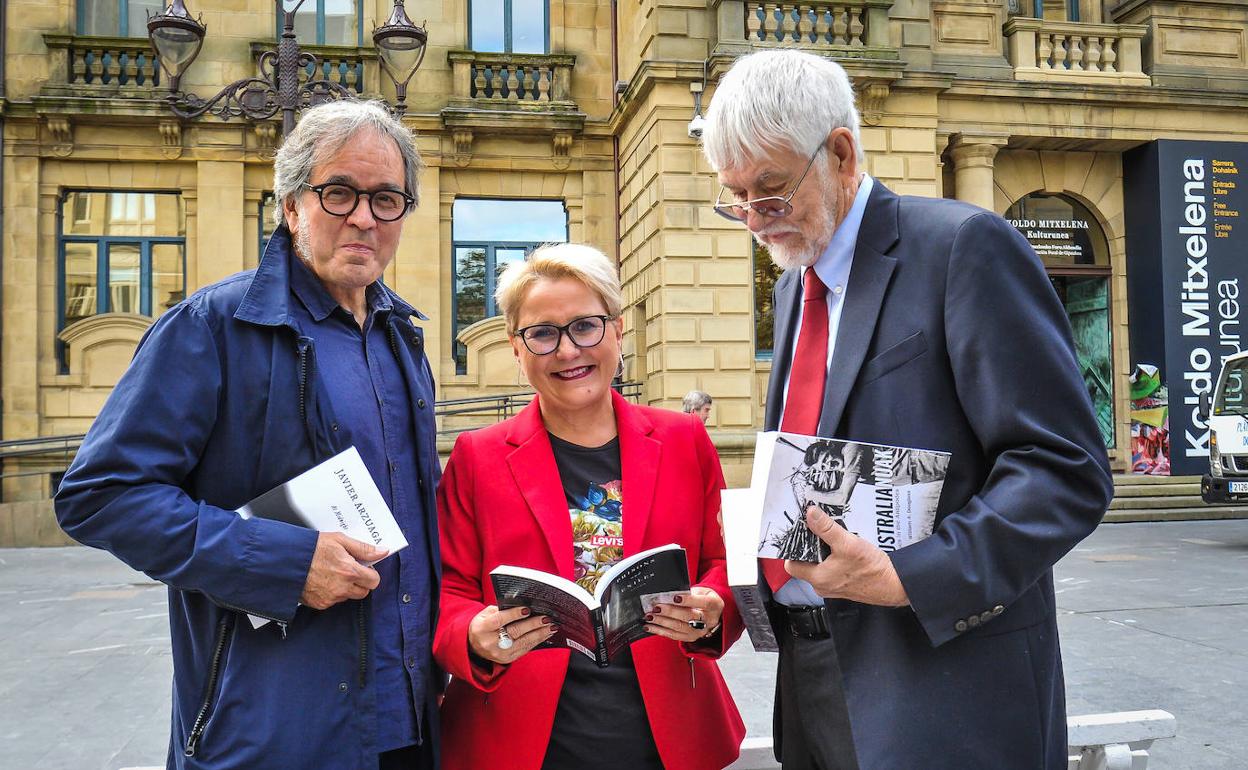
(532, 465)
(268, 298)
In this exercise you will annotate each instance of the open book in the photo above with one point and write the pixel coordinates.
(884, 494)
(600, 625)
(337, 495)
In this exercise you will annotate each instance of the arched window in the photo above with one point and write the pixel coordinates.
(1072, 245)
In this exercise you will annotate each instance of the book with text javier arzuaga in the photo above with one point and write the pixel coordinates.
(337, 495)
(886, 495)
(601, 625)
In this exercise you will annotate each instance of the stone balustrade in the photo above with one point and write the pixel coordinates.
(820, 24)
(356, 69)
(510, 78)
(103, 66)
(1068, 51)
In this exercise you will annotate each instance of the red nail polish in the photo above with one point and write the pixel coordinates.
(649, 618)
(545, 620)
(657, 609)
(525, 611)
(678, 599)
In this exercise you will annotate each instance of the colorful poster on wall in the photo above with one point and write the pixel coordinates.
(1187, 236)
(1150, 422)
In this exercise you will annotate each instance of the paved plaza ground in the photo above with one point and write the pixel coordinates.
(1152, 616)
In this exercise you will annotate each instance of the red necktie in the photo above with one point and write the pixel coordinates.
(807, 376)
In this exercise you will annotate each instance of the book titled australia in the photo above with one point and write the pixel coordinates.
(885, 494)
(601, 624)
(337, 495)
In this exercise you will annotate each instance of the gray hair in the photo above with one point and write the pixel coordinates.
(322, 131)
(695, 400)
(777, 100)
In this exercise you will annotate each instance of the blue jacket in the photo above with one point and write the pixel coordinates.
(221, 403)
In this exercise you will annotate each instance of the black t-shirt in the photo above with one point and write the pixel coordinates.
(600, 722)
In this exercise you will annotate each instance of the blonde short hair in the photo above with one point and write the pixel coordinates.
(554, 261)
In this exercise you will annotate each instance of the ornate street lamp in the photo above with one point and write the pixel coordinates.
(177, 38)
(401, 45)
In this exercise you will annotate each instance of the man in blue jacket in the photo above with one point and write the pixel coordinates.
(243, 386)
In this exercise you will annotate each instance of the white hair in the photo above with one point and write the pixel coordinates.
(554, 261)
(777, 100)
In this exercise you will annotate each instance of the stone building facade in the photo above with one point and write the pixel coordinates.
(567, 119)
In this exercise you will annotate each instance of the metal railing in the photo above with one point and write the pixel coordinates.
(499, 408)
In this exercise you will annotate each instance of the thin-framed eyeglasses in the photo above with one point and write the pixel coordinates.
(775, 206)
(341, 200)
(584, 332)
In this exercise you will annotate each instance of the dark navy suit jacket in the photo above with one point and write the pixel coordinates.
(952, 338)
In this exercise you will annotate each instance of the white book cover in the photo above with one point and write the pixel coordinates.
(885, 494)
(338, 495)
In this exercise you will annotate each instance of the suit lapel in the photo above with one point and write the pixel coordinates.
(532, 465)
(639, 459)
(784, 312)
(869, 276)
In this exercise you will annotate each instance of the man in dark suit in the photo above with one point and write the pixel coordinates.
(921, 323)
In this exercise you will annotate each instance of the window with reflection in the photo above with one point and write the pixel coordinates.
(120, 252)
(765, 276)
(268, 209)
(116, 18)
(488, 235)
(328, 22)
(511, 26)
(1070, 241)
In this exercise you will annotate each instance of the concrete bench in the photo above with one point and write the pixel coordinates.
(1118, 741)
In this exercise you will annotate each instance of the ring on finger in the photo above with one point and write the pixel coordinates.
(698, 622)
(504, 639)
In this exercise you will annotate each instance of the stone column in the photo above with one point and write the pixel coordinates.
(972, 168)
(20, 285)
(219, 230)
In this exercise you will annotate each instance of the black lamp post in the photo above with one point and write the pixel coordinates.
(177, 38)
(401, 45)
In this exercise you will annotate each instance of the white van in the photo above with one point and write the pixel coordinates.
(1227, 480)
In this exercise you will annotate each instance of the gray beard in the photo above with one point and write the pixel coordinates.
(303, 241)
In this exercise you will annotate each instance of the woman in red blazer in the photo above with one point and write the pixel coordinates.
(578, 480)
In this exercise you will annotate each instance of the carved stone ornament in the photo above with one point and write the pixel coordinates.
(871, 98)
(562, 142)
(463, 146)
(171, 139)
(266, 137)
(62, 132)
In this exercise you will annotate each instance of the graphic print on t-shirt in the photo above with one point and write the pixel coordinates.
(597, 532)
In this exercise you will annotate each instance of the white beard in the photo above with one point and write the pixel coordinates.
(809, 250)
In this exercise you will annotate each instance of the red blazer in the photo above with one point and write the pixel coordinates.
(501, 502)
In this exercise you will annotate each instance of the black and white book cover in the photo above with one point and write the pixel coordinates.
(337, 495)
(885, 494)
(601, 624)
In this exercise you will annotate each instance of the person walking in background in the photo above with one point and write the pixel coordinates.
(697, 403)
(238, 389)
(912, 322)
(573, 484)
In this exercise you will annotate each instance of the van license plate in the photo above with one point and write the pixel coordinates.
(1239, 487)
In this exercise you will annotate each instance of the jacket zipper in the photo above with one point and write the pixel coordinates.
(360, 613)
(281, 624)
(214, 670)
(303, 380)
(693, 679)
